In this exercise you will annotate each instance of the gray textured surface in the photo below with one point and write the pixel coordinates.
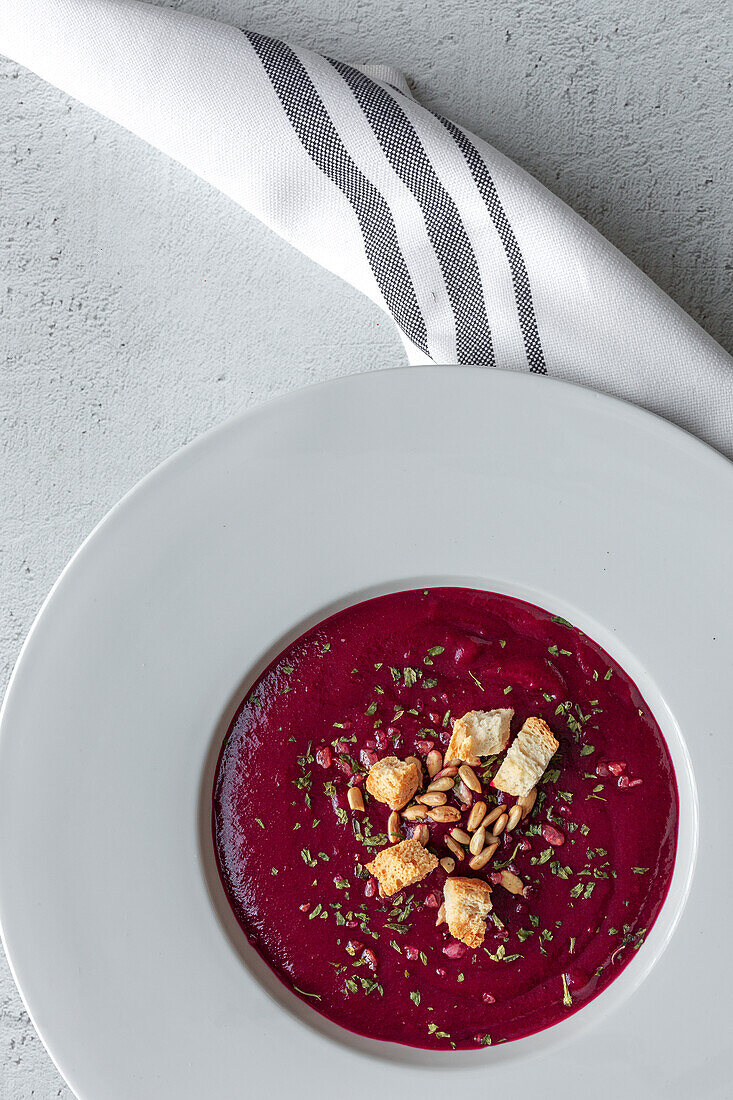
(139, 308)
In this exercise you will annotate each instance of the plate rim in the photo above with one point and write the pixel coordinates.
(656, 423)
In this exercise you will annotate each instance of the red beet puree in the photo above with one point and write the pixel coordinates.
(387, 677)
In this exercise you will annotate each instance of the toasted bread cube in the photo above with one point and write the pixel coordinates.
(479, 733)
(393, 781)
(402, 865)
(530, 753)
(467, 905)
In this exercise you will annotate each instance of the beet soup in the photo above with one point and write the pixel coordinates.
(576, 881)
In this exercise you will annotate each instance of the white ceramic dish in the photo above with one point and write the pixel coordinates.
(124, 951)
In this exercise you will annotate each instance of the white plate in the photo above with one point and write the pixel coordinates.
(111, 917)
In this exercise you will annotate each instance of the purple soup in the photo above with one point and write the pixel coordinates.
(388, 677)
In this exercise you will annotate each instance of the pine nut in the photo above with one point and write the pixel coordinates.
(440, 915)
(514, 817)
(393, 827)
(477, 841)
(482, 858)
(476, 816)
(433, 798)
(493, 814)
(451, 770)
(444, 814)
(356, 800)
(421, 834)
(448, 864)
(461, 836)
(434, 762)
(442, 784)
(512, 882)
(415, 812)
(455, 848)
(499, 825)
(469, 777)
(527, 802)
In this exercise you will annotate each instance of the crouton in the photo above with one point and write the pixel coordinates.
(393, 781)
(530, 753)
(467, 905)
(479, 733)
(402, 865)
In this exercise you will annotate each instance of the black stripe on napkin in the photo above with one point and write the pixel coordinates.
(405, 152)
(318, 135)
(517, 266)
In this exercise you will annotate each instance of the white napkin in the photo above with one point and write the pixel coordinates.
(475, 261)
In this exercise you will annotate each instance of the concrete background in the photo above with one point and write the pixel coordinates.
(138, 308)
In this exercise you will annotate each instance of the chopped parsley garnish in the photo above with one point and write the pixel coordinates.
(415, 996)
(567, 1000)
(316, 996)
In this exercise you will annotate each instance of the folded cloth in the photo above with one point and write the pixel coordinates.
(475, 261)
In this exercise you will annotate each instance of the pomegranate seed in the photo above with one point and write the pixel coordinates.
(488, 999)
(440, 972)
(368, 758)
(495, 877)
(455, 950)
(565, 810)
(617, 767)
(432, 901)
(436, 719)
(424, 747)
(553, 836)
(370, 958)
(371, 888)
(340, 746)
(444, 698)
(624, 782)
(370, 744)
(524, 844)
(354, 947)
(352, 924)
(381, 741)
(412, 954)
(323, 756)
(636, 782)
(345, 767)
(305, 908)
(602, 771)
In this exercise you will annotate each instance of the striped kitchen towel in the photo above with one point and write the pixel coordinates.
(474, 260)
